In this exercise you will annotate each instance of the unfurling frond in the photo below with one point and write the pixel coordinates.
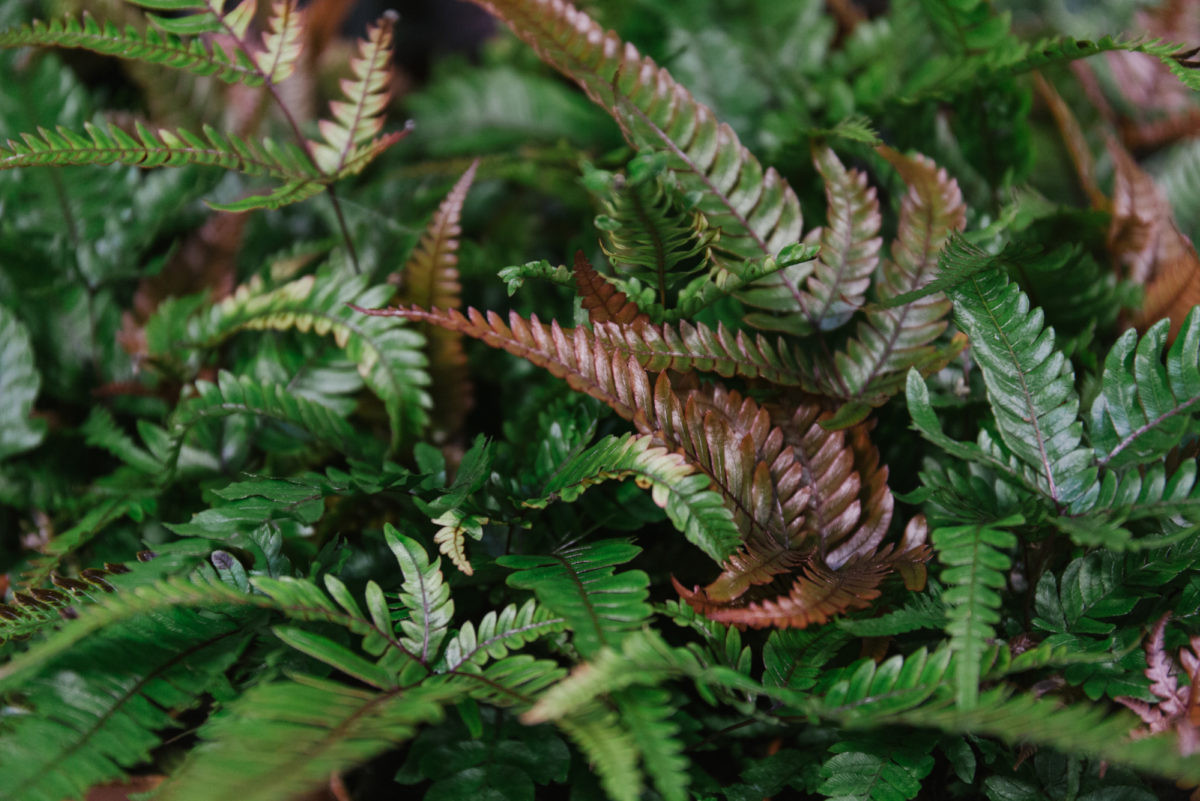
(1030, 386)
(152, 46)
(757, 213)
(892, 340)
(1146, 407)
(578, 583)
(602, 302)
(430, 279)
(350, 138)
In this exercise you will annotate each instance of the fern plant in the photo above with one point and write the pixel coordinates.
(286, 514)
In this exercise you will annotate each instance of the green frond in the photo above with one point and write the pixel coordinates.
(675, 485)
(975, 566)
(431, 280)
(100, 430)
(161, 148)
(387, 353)
(920, 611)
(794, 658)
(643, 231)
(514, 681)
(241, 395)
(874, 767)
(1030, 387)
(337, 656)
(92, 712)
(890, 341)
(1152, 494)
(349, 136)
(650, 718)
(151, 46)
(207, 16)
(578, 584)
(515, 276)
(610, 749)
(39, 609)
(284, 738)
(499, 633)
(424, 594)
(105, 511)
(19, 384)
(1145, 407)
(756, 211)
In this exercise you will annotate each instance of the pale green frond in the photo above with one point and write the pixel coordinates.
(282, 41)
(424, 594)
(19, 384)
(499, 633)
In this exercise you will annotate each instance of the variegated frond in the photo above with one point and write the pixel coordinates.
(601, 300)
(889, 341)
(798, 492)
(757, 213)
(151, 46)
(282, 41)
(430, 279)
(350, 137)
(821, 592)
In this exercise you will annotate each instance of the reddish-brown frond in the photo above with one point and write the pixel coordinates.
(601, 300)
(430, 280)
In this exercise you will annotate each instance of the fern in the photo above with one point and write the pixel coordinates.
(387, 355)
(578, 583)
(866, 767)
(151, 46)
(975, 566)
(498, 634)
(425, 596)
(288, 736)
(1145, 408)
(1030, 386)
(19, 383)
(430, 279)
(694, 509)
(350, 137)
(755, 209)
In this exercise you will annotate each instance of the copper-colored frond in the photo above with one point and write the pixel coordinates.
(601, 300)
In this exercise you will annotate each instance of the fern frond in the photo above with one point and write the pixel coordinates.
(241, 395)
(890, 341)
(1030, 387)
(161, 148)
(425, 596)
(643, 233)
(610, 749)
(451, 537)
(975, 564)
(19, 384)
(499, 633)
(579, 584)
(648, 715)
(514, 681)
(388, 355)
(206, 16)
(874, 767)
(757, 213)
(430, 279)
(283, 738)
(677, 487)
(152, 47)
(1146, 407)
(850, 244)
(92, 712)
(282, 41)
(1152, 493)
(349, 137)
(602, 302)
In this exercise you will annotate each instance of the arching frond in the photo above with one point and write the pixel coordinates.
(499, 633)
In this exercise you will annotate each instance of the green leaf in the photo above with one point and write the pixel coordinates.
(424, 595)
(1030, 387)
(336, 656)
(499, 633)
(19, 383)
(579, 584)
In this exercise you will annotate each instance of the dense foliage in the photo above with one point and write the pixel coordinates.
(911, 415)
